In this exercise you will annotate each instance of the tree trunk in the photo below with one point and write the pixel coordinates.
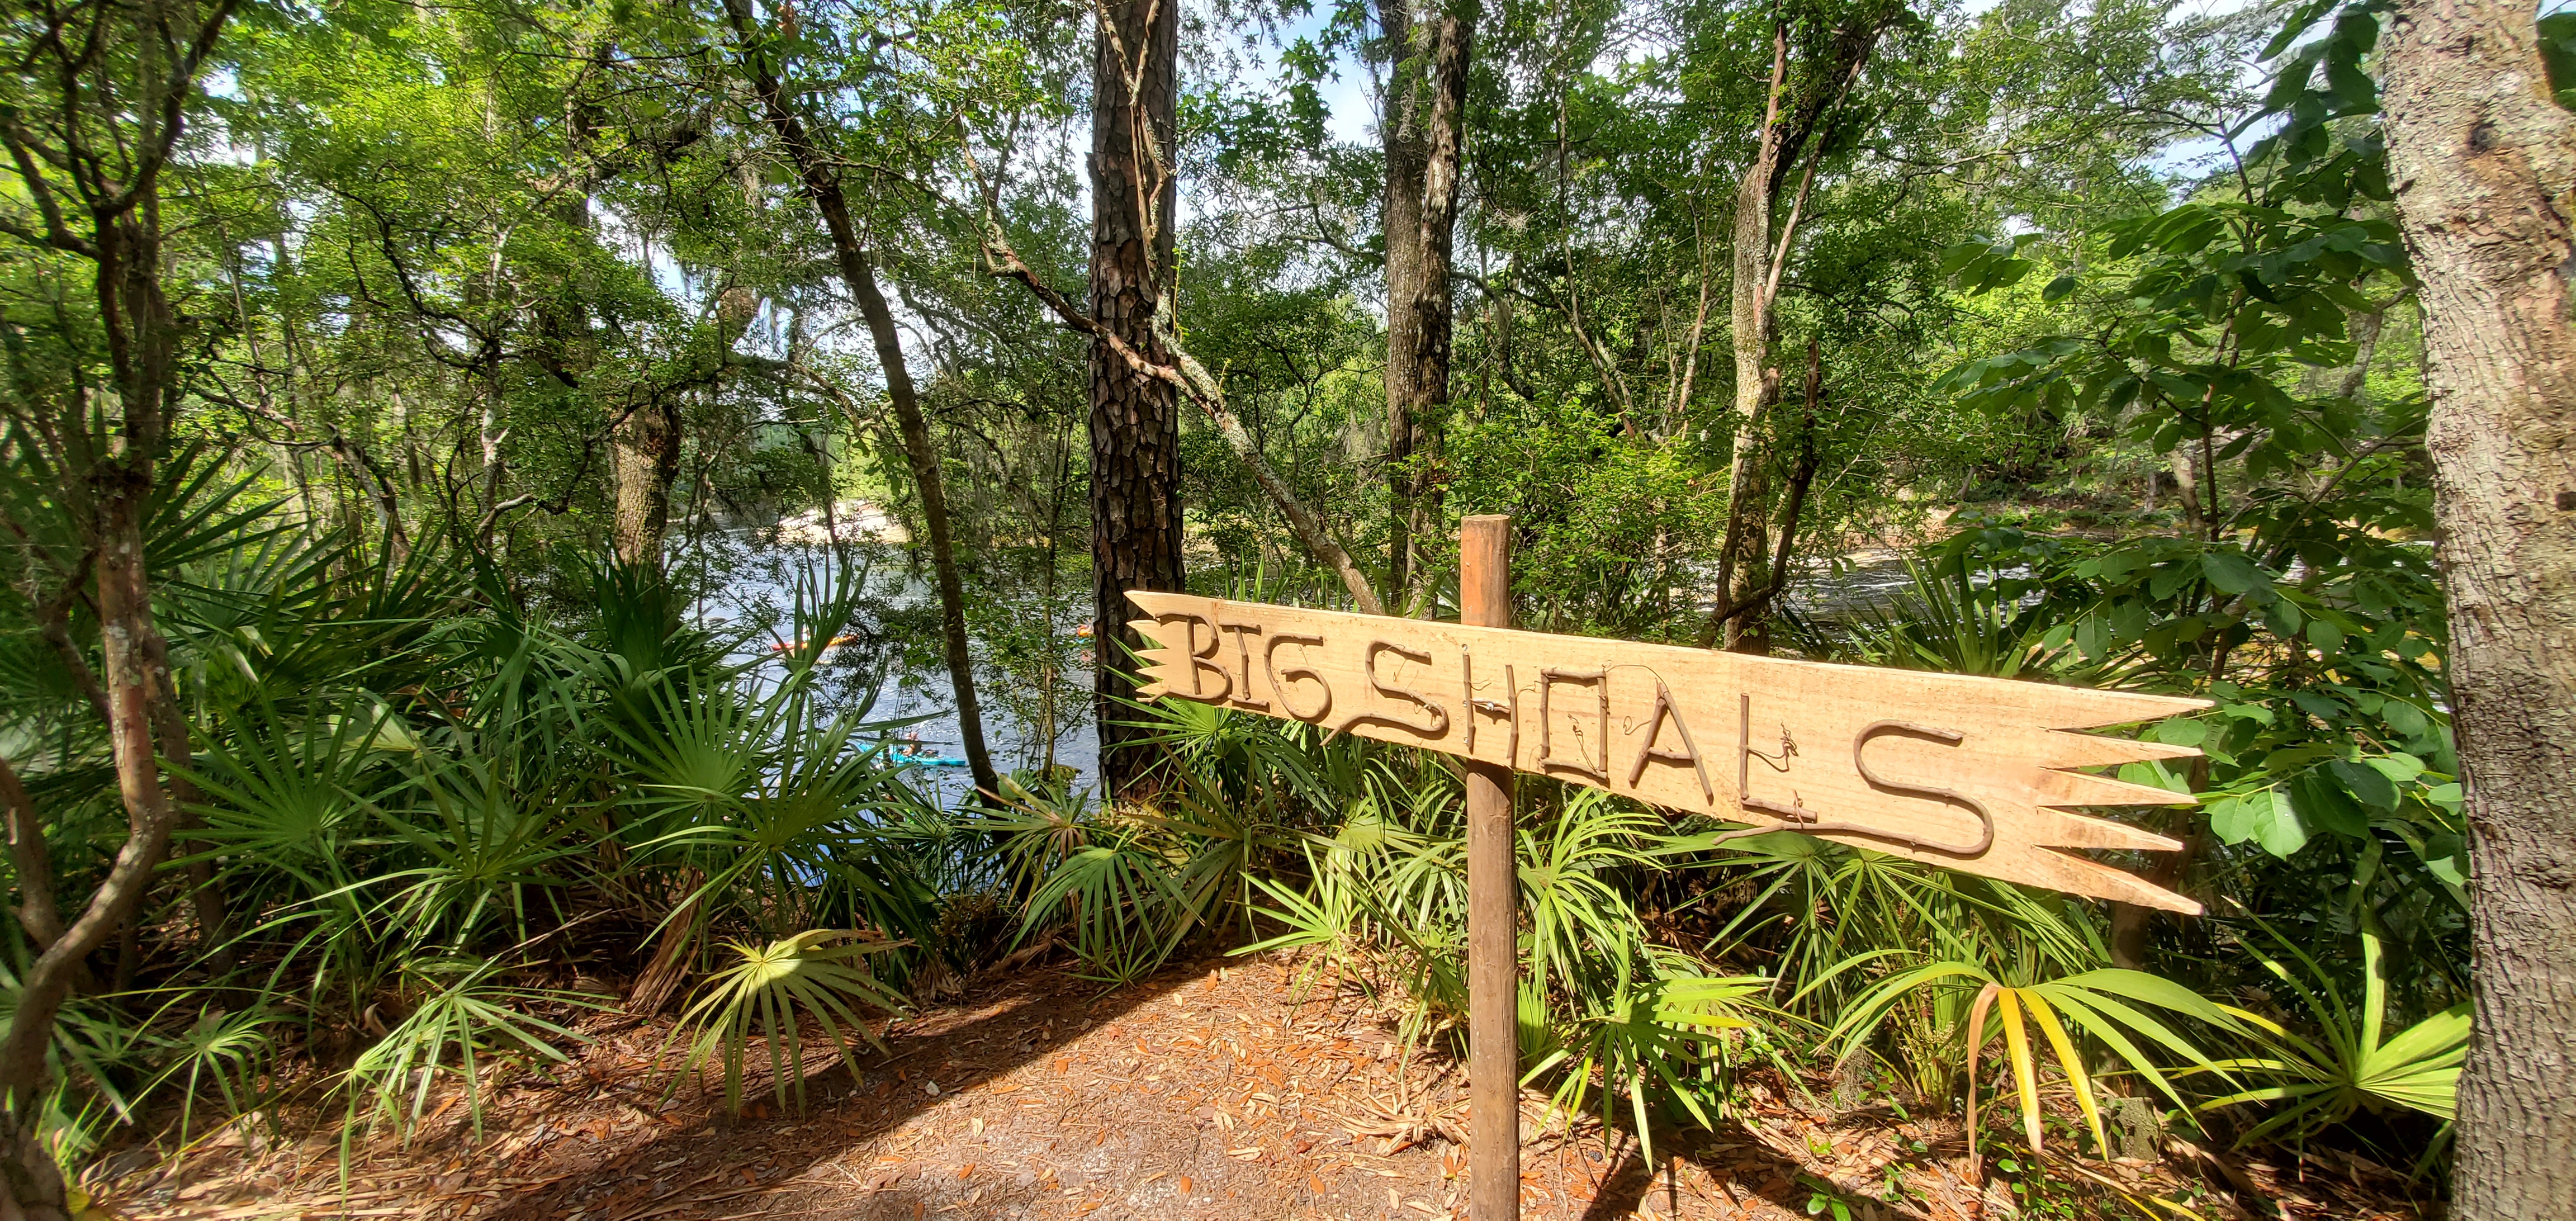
(1677, 413)
(1792, 127)
(2187, 493)
(170, 735)
(1192, 379)
(39, 912)
(2485, 161)
(1302, 521)
(1743, 565)
(644, 448)
(1427, 388)
(130, 642)
(1135, 417)
(1400, 134)
(489, 434)
(819, 176)
(119, 156)
(644, 459)
(924, 460)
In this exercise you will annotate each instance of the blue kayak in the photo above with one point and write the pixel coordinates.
(928, 761)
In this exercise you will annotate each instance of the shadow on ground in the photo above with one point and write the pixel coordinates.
(1746, 1167)
(691, 1169)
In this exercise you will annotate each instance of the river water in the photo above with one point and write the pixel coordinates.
(887, 668)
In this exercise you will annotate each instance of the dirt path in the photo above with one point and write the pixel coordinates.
(1207, 1092)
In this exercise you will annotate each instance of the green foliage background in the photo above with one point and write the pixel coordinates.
(2121, 386)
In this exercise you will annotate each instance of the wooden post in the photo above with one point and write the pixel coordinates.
(1493, 912)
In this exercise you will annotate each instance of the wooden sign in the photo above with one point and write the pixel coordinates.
(1984, 775)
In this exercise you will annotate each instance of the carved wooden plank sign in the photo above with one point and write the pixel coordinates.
(1975, 774)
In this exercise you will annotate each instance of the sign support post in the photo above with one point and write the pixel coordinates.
(1493, 911)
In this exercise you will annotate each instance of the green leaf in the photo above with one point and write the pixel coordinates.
(2154, 774)
(2399, 767)
(2231, 573)
(2057, 289)
(2372, 786)
(2445, 857)
(2326, 636)
(2181, 732)
(2256, 713)
(2322, 804)
(2558, 50)
(2263, 817)
(2405, 718)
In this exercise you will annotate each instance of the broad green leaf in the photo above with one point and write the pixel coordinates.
(2368, 783)
(2323, 805)
(2231, 573)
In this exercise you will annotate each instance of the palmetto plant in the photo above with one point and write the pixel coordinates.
(2043, 1019)
(1948, 619)
(820, 975)
(2346, 1060)
(410, 786)
(413, 786)
(1581, 921)
(1120, 900)
(1037, 831)
(1662, 1033)
(1132, 883)
(1604, 1013)
(464, 1017)
(226, 1050)
(1829, 921)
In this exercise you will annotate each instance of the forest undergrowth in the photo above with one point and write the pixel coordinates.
(460, 841)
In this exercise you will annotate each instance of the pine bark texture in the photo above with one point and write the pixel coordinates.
(1135, 417)
(2484, 162)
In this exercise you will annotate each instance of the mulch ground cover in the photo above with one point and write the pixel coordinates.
(1217, 1090)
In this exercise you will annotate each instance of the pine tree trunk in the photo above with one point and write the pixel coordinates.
(1400, 135)
(1135, 419)
(2485, 161)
